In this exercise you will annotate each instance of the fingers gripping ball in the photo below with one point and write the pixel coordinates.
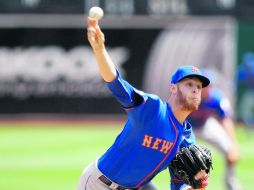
(189, 162)
(96, 13)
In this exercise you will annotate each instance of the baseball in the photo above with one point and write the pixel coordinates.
(96, 13)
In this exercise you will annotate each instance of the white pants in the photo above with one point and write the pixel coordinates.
(214, 133)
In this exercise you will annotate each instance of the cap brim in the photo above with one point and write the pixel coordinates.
(205, 81)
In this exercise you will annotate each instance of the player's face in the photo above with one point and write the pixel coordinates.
(189, 93)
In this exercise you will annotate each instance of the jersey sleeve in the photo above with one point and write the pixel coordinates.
(125, 93)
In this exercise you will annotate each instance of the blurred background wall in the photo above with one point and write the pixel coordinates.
(47, 67)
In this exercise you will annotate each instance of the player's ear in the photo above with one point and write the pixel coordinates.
(173, 88)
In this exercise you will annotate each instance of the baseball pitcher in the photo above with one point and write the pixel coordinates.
(156, 135)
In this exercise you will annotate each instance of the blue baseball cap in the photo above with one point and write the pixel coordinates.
(189, 71)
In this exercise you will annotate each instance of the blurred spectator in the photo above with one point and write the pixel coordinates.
(245, 76)
(213, 123)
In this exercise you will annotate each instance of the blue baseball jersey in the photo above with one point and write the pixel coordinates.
(149, 140)
(214, 105)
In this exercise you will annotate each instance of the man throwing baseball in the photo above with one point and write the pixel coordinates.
(153, 134)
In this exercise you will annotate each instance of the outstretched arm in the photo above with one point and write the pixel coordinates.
(121, 89)
(97, 41)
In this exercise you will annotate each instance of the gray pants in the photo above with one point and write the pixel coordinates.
(89, 180)
(214, 133)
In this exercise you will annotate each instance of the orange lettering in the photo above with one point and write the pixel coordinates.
(156, 143)
(165, 147)
(147, 141)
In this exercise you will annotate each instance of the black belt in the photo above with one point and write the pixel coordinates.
(108, 182)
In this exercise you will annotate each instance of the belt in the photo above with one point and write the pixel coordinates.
(108, 182)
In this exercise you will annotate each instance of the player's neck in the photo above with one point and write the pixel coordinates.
(178, 112)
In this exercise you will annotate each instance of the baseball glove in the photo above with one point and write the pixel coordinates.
(189, 161)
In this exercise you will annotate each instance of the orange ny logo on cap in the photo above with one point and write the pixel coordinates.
(195, 70)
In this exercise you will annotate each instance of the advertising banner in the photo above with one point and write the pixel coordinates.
(54, 71)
